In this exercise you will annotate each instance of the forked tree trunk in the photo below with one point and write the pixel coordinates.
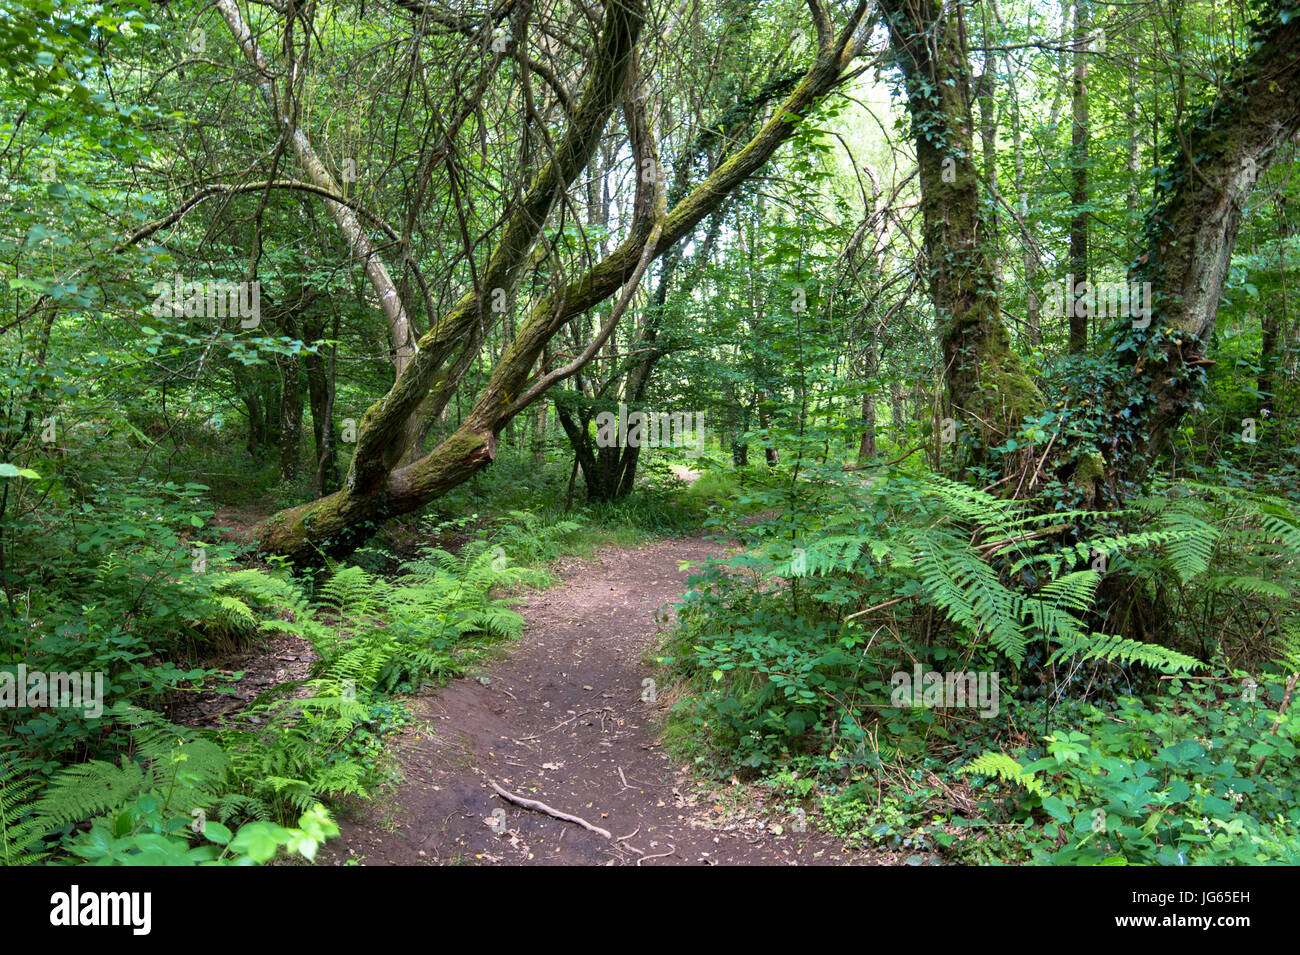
(377, 487)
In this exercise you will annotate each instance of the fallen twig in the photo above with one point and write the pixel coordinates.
(542, 807)
(629, 845)
(887, 603)
(569, 720)
(671, 850)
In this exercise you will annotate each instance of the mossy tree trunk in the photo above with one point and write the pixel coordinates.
(989, 392)
(1189, 239)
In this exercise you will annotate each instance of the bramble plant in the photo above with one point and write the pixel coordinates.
(1199, 777)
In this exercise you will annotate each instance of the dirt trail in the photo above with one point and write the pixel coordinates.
(562, 720)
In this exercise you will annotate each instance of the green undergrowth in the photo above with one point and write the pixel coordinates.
(157, 614)
(1121, 674)
(659, 506)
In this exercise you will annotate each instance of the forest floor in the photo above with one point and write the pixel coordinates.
(561, 720)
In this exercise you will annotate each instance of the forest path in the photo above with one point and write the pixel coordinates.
(561, 720)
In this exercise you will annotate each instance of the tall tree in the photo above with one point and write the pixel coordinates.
(1079, 136)
(988, 389)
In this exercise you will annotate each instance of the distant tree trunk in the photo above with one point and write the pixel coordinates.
(1029, 256)
(1133, 165)
(984, 85)
(258, 436)
(290, 419)
(1062, 62)
(867, 446)
(870, 368)
(764, 423)
(290, 404)
(601, 467)
(1079, 313)
(898, 412)
(739, 428)
(1268, 355)
(539, 433)
(260, 397)
(877, 225)
(1155, 115)
(320, 397)
(1273, 321)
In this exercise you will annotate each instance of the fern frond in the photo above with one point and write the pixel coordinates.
(88, 789)
(22, 831)
(1003, 767)
(1101, 646)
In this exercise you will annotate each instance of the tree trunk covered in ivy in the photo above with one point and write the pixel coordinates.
(988, 390)
(1189, 237)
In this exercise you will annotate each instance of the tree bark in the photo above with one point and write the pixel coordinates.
(988, 390)
(1079, 135)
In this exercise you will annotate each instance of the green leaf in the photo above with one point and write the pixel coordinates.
(216, 832)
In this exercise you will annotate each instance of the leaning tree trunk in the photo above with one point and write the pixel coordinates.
(1189, 240)
(377, 487)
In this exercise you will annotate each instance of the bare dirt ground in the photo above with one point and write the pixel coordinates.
(561, 720)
